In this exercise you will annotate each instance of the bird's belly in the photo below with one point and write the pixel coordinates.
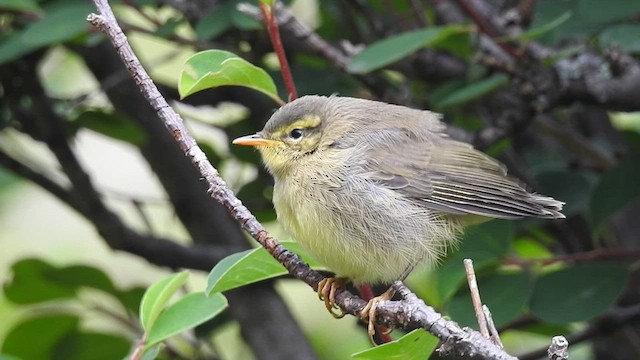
(362, 240)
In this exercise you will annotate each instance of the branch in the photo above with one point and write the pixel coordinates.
(410, 313)
(274, 35)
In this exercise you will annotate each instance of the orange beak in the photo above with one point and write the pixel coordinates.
(253, 140)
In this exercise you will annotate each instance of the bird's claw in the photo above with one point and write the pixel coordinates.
(327, 289)
(368, 313)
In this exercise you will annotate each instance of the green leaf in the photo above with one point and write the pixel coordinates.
(572, 187)
(61, 22)
(578, 293)
(156, 297)
(594, 12)
(394, 48)
(131, 298)
(20, 5)
(249, 267)
(30, 283)
(544, 28)
(186, 313)
(473, 91)
(77, 345)
(215, 22)
(506, 295)
(625, 36)
(113, 125)
(616, 189)
(485, 244)
(36, 338)
(492, 238)
(214, 68)
(417, 344)
(75, 276)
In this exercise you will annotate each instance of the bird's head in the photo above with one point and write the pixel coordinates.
(294, 132)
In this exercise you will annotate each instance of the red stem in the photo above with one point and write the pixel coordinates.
(274, 35)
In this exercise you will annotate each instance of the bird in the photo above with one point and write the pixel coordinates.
(373, 190)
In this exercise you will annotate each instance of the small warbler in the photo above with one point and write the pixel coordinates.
(372, 190)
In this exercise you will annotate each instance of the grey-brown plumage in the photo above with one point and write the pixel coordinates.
(372, 189)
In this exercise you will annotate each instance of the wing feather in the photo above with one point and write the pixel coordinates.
(447, 175)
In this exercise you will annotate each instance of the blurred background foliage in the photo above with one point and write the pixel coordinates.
(97, 202)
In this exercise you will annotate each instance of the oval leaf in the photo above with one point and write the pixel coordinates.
(30, 283)
(617, 188)
(213, 68)
(249, 267)
(392, 49)
(22, 341)
(578, 293)
(417, 344)
(473, 91)
(186, 313)
(157, 296)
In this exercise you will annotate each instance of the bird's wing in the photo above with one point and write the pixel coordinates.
(447, 175)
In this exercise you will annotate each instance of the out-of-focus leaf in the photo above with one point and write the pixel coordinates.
(131, 298)
(186, 313)
(20, 5)
(506, 295)
(36, 338)
(544, 28)
(625, 36)
(167, 28)
(76, 276)
(528, 248)
(30, 283)
(485, 244)
(248, 267)
(215, 22)
(213, 68)
(112, 125)
(157, 296)
(578, 293)
(394, 48)
(61, 22)
(571, 187)
(617, 188)
(473, 91)
(77, 345)
(604, 12)
(417, 344)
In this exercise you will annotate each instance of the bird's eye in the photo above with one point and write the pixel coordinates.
(296, 134)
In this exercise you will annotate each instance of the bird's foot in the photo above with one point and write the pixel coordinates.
(327, 289)
(368, 313)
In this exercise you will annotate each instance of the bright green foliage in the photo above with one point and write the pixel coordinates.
(186, 313)
(157, 296)
(212, 68)
(412, 346)
(248, 267)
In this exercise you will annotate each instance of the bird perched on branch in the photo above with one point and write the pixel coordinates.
(372, 190)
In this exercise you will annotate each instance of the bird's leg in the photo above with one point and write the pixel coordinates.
(327, 289)
(368, 313)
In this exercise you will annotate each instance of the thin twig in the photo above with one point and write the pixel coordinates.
(475, 297)
(495, 335)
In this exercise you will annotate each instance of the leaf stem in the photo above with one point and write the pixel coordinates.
(274, 35)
